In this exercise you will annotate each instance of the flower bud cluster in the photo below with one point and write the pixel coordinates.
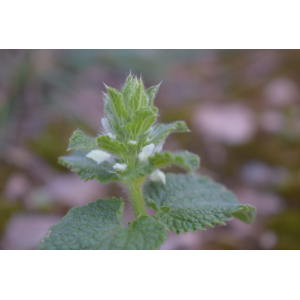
(129, 133)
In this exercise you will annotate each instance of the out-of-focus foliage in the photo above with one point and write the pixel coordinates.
(242, 108)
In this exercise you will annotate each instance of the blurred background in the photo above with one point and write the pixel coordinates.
(243, 107)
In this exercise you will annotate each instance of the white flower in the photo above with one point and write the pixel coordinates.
(108, 130)
(146, 152)
(159, 146)
(106, 125)
(149, 150)
(132, 142)
(120, 167)
(158, 175)
(98, 156)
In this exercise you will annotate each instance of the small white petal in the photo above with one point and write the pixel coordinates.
(113, 136)
(120, 167)
(106, 126)
(148, 149)
(146, 152)
(98, 156)
(158, 175)
(143, 157)
(132, 142)
(159, 146)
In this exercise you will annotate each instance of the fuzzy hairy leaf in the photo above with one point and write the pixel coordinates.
(138, 97)
(151, 93)
(107, 143)
(98, 226)
(116, 104)
(160, 160)
(142, 121)
(79, 140)
(114, 123)
(127, 90)
(160, 131)
(87, 168)
(188, 202)
(183, 159)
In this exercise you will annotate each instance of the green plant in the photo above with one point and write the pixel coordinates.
(129, 152)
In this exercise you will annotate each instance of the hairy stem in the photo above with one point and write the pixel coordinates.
(136, 197)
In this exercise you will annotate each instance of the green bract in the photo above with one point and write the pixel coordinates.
(129, 151)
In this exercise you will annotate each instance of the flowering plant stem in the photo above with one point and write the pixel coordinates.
(136, 197)
(129, 151)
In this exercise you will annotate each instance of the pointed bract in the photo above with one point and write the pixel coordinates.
(160, 131)
(127, 90)
(107, 143)
(151, 93)
(116, 105)
(142, 121)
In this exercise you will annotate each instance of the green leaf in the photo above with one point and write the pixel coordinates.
(183, 159)
(79, 140)
(160, 160)
(107, 143)
(116, 104)
(246, 216)
(87, 168)
(160, 131)
(127, 89)
(151, 93)
(98, 226)
(114, 123)
(187, 202)
(138, 97)
(142, 121)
